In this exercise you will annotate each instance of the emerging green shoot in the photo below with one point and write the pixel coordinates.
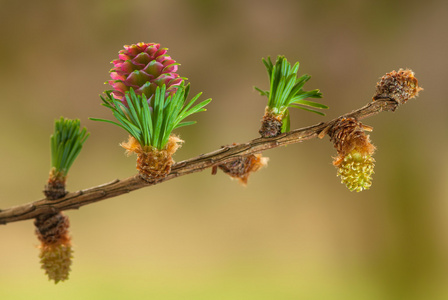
(286, 88)
(66, 144)
(285, 92)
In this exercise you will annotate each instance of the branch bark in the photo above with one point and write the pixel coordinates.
(118, 187)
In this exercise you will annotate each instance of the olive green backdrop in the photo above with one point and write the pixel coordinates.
(294, 232)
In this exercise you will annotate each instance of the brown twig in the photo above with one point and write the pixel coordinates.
(117, 187)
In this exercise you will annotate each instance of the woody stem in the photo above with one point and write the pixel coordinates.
(75, 200)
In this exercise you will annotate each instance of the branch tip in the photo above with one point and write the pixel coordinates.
(394, 89)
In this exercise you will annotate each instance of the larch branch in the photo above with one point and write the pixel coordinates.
(75, 200)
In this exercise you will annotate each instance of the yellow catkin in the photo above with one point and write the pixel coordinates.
(356, 171)
(354, 161)
(56, 261)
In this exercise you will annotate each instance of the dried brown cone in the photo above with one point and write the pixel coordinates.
(55, 187)
(152, 163)
(56, 249)
(399, 86)
(271, 124)
(354, 161)
(242, 167)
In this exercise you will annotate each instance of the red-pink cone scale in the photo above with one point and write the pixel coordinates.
(143, 67)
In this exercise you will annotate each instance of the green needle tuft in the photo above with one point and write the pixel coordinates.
(286, 91)
(66, 144)
(151, 122)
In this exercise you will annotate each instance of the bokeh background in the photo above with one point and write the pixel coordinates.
(294, 232)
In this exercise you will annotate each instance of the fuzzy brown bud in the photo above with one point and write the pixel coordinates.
(152, 163)
(52, 228)
(55, 187)
(348, 134)
(242, 167)
(399, 86)
(271, 124)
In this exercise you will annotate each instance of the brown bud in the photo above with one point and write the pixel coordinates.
(55, 187)
(241, 167)
(152, 163)
(52, 228)
(271, 124)
(348, 134)
(399, 86)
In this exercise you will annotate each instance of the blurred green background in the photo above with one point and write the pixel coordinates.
(294, 232)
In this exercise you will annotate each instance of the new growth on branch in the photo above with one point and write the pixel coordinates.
(150, 99)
